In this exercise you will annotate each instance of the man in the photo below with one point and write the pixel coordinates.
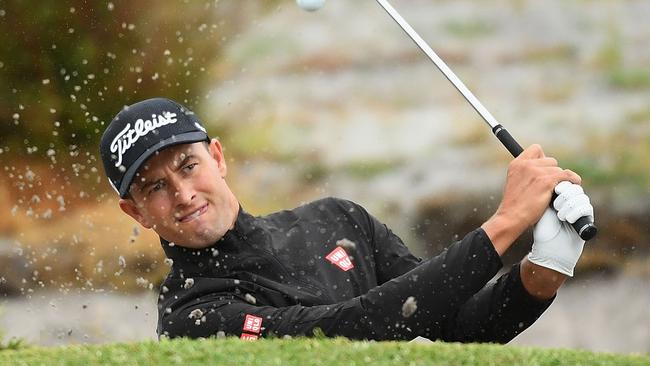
(329, 264)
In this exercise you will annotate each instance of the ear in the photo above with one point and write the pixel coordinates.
(131, 208)
(217, 154)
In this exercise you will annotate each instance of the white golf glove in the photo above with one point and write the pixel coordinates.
(555, 244)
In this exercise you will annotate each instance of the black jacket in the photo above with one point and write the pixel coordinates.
(282, 274)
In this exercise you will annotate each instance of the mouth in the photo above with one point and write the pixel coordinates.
(194, 215)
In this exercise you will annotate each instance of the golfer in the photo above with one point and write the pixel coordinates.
(329, 266)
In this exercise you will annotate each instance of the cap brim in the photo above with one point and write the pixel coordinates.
(183, 138)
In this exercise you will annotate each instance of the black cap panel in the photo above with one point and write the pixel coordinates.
(140, 130)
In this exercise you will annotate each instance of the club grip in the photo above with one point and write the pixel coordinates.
(584, 226)
(507, 140)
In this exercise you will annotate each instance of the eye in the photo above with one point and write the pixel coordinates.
(190, 167)
(156, 187)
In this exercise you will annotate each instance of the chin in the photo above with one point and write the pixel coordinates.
(200, 235)
(205, 239)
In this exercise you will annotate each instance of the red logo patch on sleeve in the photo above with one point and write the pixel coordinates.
(248, 337)
(340, 257)
(252, 324)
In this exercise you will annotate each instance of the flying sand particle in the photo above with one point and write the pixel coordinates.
(409, 307)
(250, 298)
(198, 315)
(189, 282)
(142, 282)
(346, 244)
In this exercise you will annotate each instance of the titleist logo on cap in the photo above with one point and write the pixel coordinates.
(128, 136)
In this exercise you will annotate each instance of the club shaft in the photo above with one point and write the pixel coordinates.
(442, 66)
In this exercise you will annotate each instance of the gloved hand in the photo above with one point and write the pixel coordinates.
(555, 244)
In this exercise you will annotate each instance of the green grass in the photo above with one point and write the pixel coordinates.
(301, 352)
(11, 344)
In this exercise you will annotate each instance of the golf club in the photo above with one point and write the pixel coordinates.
(584, 226)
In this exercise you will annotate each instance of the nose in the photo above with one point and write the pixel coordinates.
(184, 193)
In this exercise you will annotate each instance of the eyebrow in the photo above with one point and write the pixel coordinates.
(180, 166)
(149, 183)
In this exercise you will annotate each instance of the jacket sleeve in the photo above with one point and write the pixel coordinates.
(497, 313)
(439, 287)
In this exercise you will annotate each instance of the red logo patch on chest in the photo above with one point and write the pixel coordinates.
(252, 324)
(340, 257)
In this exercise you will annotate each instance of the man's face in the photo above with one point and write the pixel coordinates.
(182, 194)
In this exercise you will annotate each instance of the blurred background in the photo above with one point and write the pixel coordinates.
(337, 102)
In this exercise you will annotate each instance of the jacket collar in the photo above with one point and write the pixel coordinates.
(189, 259)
